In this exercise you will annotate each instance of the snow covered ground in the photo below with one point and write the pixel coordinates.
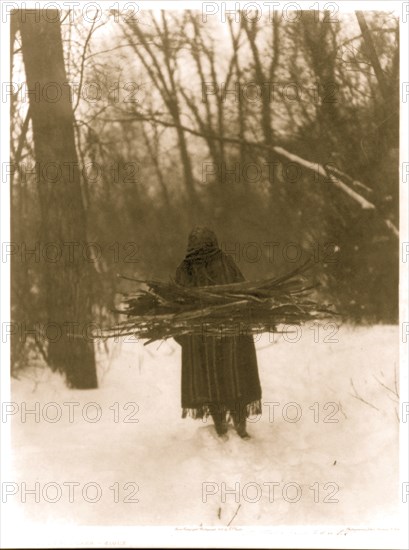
(326, 453)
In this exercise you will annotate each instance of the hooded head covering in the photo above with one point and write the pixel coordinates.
(202, 241)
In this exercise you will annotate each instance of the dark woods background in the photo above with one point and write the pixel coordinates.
(282, 135)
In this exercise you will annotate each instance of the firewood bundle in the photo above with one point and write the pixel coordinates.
(160, 310)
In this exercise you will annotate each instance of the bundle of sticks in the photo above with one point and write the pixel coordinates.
(160, 310)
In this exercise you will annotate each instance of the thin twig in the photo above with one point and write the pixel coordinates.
(360, 398)
(235, 514)
(386, 387)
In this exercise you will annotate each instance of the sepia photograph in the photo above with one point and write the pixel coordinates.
(204, 236)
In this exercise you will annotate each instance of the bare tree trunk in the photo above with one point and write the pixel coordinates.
(321, 49)
(161, 72)
(264, 76)
(388, 85)
(67, 272)
(153, 150)
(370, 48)
(261, 79)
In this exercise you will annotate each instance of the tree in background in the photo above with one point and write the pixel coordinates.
(66, 273)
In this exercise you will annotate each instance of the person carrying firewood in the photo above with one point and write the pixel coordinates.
(219, 374)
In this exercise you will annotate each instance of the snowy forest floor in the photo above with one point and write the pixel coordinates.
(179, 473)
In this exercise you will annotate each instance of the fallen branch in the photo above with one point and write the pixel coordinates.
(320, 170)
(355, 183)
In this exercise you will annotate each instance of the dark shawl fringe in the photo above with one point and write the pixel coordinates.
(204, 411)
